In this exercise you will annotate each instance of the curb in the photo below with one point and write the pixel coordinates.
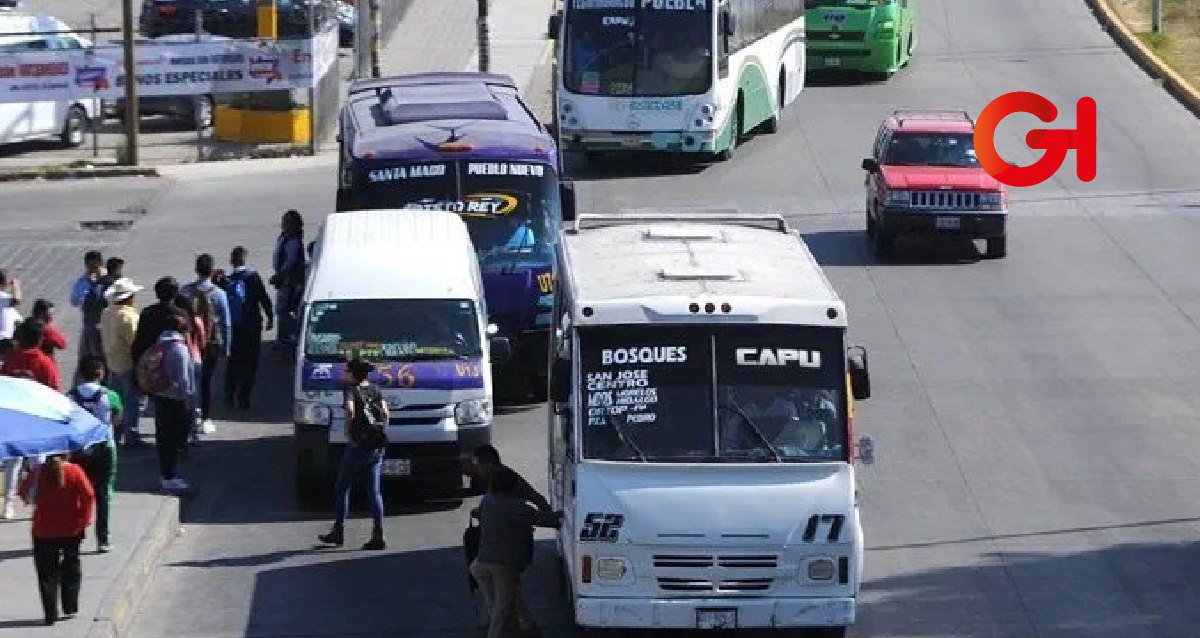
(68, 172)
(1179, 87)
(120, 601)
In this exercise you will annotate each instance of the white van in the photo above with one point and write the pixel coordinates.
(401, 289)
(67, 119)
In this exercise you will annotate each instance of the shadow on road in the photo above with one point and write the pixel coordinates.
(853, 248)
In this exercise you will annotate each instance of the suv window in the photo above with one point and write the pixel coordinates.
(931, 149)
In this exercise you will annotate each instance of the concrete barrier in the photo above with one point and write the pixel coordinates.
(1176, 84)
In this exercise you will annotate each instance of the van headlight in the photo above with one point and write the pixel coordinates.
(312, 413)
(473, 412)
(611, 569)
(821, 569)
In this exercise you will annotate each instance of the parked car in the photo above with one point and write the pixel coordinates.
(66, 119)
(231, 18)
(9, 4)
(923, 179)
(185, 110)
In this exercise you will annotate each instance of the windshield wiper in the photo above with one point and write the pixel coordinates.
(437, 357)
(757, 432)
(625, 438)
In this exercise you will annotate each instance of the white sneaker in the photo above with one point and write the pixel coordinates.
(208, 427)
(9, 512)
(174, 485)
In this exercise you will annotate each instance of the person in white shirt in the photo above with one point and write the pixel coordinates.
(10, 296)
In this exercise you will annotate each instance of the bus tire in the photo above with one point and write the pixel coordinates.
(772, 124)
(735, 131)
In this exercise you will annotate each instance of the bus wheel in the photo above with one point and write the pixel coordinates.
(772, 123)
(735, 132)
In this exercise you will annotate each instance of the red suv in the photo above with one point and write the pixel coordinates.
(923, 179)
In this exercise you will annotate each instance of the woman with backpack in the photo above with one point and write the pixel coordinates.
(166, 372)
(196, 337)
(367, 417)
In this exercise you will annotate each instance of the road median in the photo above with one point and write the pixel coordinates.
(75, 170)
(1145, 56)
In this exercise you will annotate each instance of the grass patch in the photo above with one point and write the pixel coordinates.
(1179, 43)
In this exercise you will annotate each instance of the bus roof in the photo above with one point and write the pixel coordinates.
(406, 117)
(394, 254)
(681, 268)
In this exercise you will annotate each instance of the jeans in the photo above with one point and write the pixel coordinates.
(210, 357)
(57, 564)
(242, 368)
(125, 385)
(103, 498)
(89, 342)
(193, 404)
(365, 463)
(12, 474)
(172, 419)
(287, 301)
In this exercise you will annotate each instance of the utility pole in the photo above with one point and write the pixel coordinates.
(484, 41)
(375, 29)
(362, 40)
(131, 93)
(1156, 16)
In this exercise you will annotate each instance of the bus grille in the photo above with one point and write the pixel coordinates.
(945, 199)
(704, 561)
(732, 586)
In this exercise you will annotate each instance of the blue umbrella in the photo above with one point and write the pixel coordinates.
(36, 420)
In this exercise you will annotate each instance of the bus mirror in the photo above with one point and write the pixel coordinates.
(866, 450)
(560, 377)
(810, 4)
(553, 25)
(870, 165)
(567, 195)
(728, 23)
(501, 349)
(860, 376)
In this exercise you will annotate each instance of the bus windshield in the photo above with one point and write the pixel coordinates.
(510, 207)
(778, 394)
(392, 330)
(645, 49)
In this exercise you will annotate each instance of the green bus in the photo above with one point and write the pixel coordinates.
(868, 36)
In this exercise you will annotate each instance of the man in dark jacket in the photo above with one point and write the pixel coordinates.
(248, 304)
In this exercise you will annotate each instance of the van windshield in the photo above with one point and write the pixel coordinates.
(392, 330)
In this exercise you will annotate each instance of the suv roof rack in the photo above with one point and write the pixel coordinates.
(587, 221)
(941, 115)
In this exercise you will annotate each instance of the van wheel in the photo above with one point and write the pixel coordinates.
(74, 127)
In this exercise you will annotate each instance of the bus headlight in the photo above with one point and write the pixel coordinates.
(821, 569)
(611, 569)
(473, 412)
(312, 413)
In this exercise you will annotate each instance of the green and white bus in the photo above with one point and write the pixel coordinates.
(867, 36)
(685, 76)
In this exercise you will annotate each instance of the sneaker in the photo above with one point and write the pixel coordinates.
(174, 485)
(208, 427)
(9, 512)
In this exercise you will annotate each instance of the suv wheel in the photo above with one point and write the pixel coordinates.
(871, 226)
(883, 242)
(997, 248)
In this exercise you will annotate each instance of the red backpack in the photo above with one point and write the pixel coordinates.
(151, 370)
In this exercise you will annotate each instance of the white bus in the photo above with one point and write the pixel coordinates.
(687, 76)
(701, 437)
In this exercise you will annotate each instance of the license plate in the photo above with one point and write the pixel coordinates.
(833, 62)
(397, 467)
(716, 619)
(947, 223)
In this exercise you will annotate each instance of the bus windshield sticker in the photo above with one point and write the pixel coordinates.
(412, 171)
(489, 204)
(516, 169)
(675, 5)
(604, 4)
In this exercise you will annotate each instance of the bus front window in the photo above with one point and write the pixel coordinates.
(640, 52)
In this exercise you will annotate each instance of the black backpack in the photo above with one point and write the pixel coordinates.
(368, 429)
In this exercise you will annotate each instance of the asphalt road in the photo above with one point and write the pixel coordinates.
(1034, 417)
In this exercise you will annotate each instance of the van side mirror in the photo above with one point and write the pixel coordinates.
(553, 25)
(870, 165)
(860, 376)
(728, 23)
(560, 380)
(566, 192)
(501, 349)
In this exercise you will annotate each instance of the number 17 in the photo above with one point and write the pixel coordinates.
(834, 521)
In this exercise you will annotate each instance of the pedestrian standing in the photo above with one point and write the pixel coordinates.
(212, 306)
(61, 515)
(288, 279)
(165, 373)
(197, 336)
(118, 329)
(10, 298)
(153, 321)
(248, 304)
(506, 525)
(367, 416)
(52, 339)
(88, 296)
(99, 461)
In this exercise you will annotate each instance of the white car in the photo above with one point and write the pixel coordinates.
(67, 120)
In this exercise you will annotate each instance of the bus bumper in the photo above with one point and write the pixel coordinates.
(688, 613)
(878, 56)
(700, 141)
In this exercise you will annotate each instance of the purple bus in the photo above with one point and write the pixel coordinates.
(467, 143)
